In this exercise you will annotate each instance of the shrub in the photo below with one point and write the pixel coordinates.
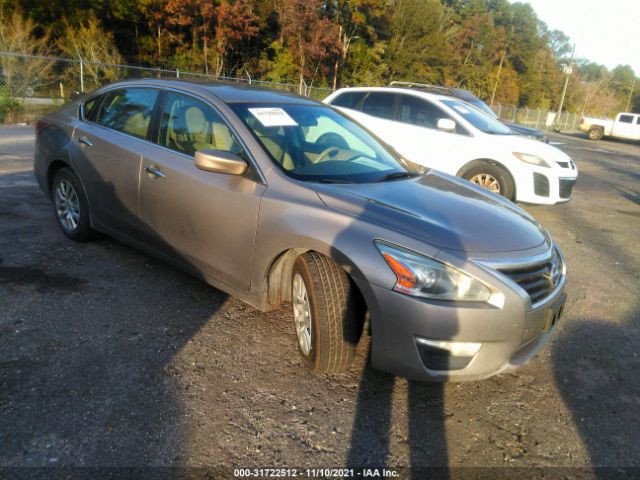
(10, 108)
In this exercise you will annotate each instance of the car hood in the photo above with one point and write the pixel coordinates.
(440, 209)
(522, 130)
(515, 143)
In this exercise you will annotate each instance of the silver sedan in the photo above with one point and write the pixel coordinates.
(276, 198)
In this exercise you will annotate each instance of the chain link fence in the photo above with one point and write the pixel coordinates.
(33, 85)
(537, 118)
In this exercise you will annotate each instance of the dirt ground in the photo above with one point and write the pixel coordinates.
(109, 358)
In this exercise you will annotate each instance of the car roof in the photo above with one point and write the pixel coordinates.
(227, 91)
(412, 91)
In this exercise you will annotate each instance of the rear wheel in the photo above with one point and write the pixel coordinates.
(492, 177)
(325, 313)
(595, 133)
(70, 206)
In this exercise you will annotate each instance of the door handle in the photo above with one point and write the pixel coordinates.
(155, 171)
(85, 141)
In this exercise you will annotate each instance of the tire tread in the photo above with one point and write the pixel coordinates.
(336, 310)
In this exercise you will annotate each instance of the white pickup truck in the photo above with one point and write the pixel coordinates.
(626, 125)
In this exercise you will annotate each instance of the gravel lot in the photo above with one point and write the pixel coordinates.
(111, 358)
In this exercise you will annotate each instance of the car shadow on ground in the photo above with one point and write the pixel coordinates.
(87, 380)
(371, 431)
(587, 370)
(595, 359)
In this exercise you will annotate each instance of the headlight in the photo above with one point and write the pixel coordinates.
(421, 276)
(532, 159)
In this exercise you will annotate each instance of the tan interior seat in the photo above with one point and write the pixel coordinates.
(275, 142)
(197, 126)
(276, 146)
(137, 125)
(223, 139)
(189, 131)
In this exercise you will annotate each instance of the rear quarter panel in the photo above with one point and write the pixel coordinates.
(53, 143)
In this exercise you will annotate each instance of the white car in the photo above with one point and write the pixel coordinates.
(450, 135)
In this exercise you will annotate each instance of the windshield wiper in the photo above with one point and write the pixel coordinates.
(397, 175)
(333, 180)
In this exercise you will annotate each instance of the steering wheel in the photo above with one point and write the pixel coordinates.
(332, 138)
(326, 152)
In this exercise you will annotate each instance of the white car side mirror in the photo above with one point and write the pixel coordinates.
(446, 124)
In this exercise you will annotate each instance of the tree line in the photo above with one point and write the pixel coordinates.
(500, 50)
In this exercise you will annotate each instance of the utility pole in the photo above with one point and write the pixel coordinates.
(630, 95)
(495, 85)
(81, 75)
(567, 70)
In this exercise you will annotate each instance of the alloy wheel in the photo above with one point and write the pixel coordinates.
(302, 314)
(487, 181)
(67, 205)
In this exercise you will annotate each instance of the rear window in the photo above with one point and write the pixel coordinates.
(129, 111)
(89, 107)
(348, 99)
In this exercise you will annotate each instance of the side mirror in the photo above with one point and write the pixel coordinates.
(446, 124)
(220, 161)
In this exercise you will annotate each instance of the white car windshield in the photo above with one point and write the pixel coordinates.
(477, 118)
(480, 105)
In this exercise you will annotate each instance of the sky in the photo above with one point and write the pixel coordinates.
(605, 32)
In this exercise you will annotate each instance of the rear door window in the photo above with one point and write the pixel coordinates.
(129, 111)
(626, 118)
(380, 104)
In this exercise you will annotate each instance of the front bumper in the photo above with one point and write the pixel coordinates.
(547, 186)
(509, 335)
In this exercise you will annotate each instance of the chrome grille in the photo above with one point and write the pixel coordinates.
(537, 279)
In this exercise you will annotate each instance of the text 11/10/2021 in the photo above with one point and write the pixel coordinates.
(315, 473)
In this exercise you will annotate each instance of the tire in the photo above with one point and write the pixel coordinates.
(70, 206)
(595, 133)
(488, 173)
(333, 308)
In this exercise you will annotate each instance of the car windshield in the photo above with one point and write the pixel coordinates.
(480, 105)
(316, 143)
(477, 118)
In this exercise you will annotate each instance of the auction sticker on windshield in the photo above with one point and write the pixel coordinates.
(273, 117)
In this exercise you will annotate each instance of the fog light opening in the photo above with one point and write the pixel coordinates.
(446, 355)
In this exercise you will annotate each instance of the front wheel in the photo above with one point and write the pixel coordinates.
(325, 312)
(492, 177)
(70, 206)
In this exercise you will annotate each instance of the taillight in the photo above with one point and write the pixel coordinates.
(41, 126)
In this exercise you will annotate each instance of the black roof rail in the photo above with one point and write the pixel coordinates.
(425, 86)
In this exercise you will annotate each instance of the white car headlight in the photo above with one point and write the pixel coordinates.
(532, 159)
(421, 276)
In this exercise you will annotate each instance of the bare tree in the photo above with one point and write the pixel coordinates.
(22, 76)
(95, 48)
